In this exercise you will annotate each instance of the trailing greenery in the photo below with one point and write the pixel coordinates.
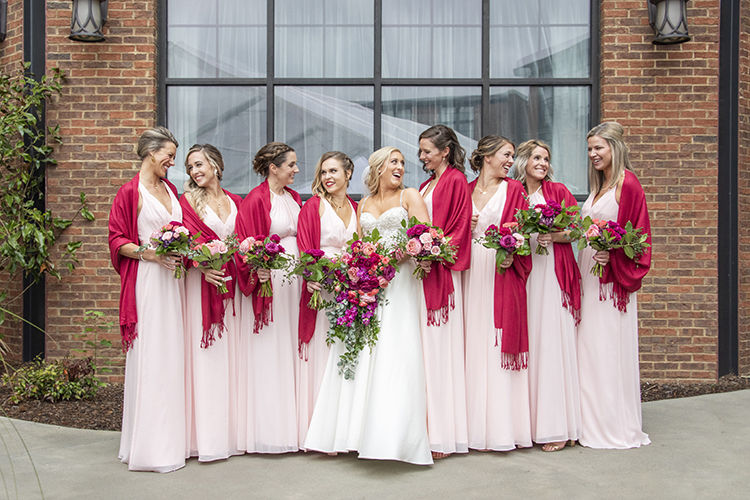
(94, 323)
(70, 378)
(27, 233)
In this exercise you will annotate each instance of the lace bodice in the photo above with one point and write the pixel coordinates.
(387, 224)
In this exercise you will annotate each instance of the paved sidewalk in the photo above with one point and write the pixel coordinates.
(700, 449)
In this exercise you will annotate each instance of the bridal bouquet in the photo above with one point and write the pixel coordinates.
(424, 242)
(609, 235)
(507, 240)
(364, 271)
(264, 252)
(173, 237)
(215, 254)
(314, 266)
(547, 218)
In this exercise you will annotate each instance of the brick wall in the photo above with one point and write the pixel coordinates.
(666, 98)
(11, 57)
(744, 188)
(108, 100)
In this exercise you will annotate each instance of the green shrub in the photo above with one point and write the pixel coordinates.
(70, 378)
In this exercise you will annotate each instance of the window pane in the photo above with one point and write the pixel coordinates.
(408, 111)
(314, 120)
(558, 116)
(324, 38)
(231, 118)
(432, 39)
(540, 39)
(210, 39)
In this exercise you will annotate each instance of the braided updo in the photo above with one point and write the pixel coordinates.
(272, 153)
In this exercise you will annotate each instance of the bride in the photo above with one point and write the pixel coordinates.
(381, 413)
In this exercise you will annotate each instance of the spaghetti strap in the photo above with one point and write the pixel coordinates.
(362, 203)
(400, 198)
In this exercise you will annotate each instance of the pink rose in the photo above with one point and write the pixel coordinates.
(222, 247)
(346, 257)
(246, 244)
(166, 236)
(367, 299)
(425, 238)
(156, 235)
(435, 250)
(519, 239)
(352, 273)
(368, 248)
(433, 233)
(593, 231)
(538, 209)
(413, 247)
(182, 230)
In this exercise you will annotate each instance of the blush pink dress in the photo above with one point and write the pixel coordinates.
(311, 365)
(553, 366)
(268, 409)
(497, 400)
(443, 348)
(153, 417)
(607, 355)
(211, 374)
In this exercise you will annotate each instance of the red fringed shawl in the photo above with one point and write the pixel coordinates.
(212, 304)
(626, 274)
(451, 211)
(254, 219)
(123, 228)
(308, 237)
(510, 314)
(566, 267)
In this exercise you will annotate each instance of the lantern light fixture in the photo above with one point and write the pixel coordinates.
(87, 20)
(668, 18)
(3, 19)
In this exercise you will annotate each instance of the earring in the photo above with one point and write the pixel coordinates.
(153, 159)
(216, 172)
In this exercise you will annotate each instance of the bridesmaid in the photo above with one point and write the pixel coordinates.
(151, 312)
(449, 205)
(212, 321)
(326, 222)
(497, 381)
(268, 411)
(554, 298)
(608, 333)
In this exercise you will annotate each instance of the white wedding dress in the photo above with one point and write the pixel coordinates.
(391, 421)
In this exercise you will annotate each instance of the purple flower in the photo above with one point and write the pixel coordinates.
(508, 242)
(547, 211)
(275, 238)
(547, 221)
(389, 273)
(315, 253)
(554, 206)
(416, 230)
(272, 248)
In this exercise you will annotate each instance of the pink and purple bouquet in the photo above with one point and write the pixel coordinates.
(264, 252)
(314, 266)
(507, 240)
(173, 237)
(215, 254)
(424, 243)
(548, 218)
(609, 235)
(364, 271)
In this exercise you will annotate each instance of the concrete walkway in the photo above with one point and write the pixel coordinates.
(700, 449)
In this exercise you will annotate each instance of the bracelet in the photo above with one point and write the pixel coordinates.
(139, 252)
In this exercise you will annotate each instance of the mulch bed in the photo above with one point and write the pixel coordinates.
(104, 412)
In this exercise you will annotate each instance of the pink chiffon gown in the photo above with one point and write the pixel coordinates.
(553, 366)
(268, 409)
(443, 348)
(211, 374)
(153, 419)
(497, 399)
(607, 355)
(311, 366)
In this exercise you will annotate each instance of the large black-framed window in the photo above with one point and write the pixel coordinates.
(355, 75)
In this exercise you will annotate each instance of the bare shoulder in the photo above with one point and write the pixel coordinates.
(411, 195)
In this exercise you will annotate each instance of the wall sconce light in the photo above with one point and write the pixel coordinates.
(669, 20)
(87, 20)
(3, 19)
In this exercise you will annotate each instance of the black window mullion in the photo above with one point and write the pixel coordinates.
(485, 110)
(161, 58)
(377, 125)
(270, 70)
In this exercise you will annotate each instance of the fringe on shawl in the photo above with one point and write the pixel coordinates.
(567, 303)
(263, 318)
(303, 350)
(128, 333)
(515, 362)
(210, 334)
(436, 317)
(620, 297)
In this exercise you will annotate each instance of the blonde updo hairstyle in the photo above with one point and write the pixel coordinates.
(346, 163)
(153, 140)
(273, 153)
(487, 146)
(377, 162)
(613, 133)
(523, 155)
(197, 195)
